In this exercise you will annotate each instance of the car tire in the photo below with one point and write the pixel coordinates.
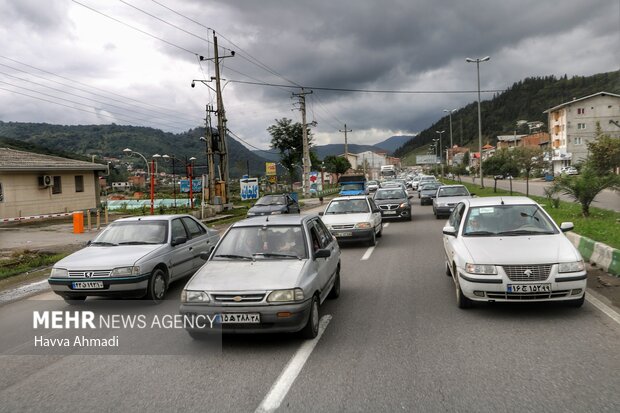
(577, 303)
(373, 239)
(448, 272)
(311, 330)
(335, 291)
(157, 287)
(380, 233)
(462, 301)
(75, 300)
(437, 216)
(409, 217)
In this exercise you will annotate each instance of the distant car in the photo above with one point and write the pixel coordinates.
(394, 184)
(393, 203)
(509, 249)
(267, 274)
(353, 218)
(427, 192)
(372, 186)
(447, 197)
(134, 257)
(569, 170)
(274, 205)
(426, 179)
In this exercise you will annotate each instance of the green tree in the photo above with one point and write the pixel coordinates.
(287, 137)
(336, 164)
(583, 188)
(604, 152)
(466, 160)
(528, 158)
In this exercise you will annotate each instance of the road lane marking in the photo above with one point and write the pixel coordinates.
(387, 224)
(283, 384)
(368, 252)
(602, 307)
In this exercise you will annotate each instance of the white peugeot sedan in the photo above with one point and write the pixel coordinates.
(509, 249)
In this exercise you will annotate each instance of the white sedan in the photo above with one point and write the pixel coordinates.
(509, 249)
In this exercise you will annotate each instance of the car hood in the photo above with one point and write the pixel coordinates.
(390, 201)
(106, 258)
(451, 199)
(266, 209)
(535, 249)
(428, 192)
(340, 219)
(247, 275)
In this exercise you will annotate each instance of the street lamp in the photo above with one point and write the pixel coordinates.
(450, 111)
(477, 61)
(440, 132)
(174, 180)
(150, 171)
(190, 167)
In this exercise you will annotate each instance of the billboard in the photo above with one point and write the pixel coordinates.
(270, 168)
(196, 185)
(249, 188)
(426, 159)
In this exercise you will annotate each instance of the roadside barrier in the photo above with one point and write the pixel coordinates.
(36, 217)
(602, 255)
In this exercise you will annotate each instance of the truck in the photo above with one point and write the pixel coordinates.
(353, 185)
(388, 171)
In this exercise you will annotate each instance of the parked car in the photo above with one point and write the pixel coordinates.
(509, 249)
(134, 257)
(353, 218)
(273, 205)
(427, 192)
(267, 274)
(372, 186)
(393, 203)
(447, 197)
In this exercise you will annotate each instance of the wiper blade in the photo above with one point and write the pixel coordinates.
(243, 257)
(275, 254)
(480, 233)
(524, 232)
(103, 243)
(135, 243)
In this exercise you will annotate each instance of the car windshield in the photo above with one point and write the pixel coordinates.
(507, 220)
(262, 243)
(133, 232)
(390, 194)
(372, 182)
(429, 187)
(350, 187)
(453, 191)
(271, 200)
(347, 206)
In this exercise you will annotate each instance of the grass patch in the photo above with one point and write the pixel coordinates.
(26, 261)
(602, 225)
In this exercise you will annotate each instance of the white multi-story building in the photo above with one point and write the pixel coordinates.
(573, 124)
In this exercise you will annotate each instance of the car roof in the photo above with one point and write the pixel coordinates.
(166, 217)
(269, 220)
(497, 200)
(453, 186)
(347, 198)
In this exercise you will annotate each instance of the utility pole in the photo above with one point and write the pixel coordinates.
(210, 151)
(221, 122)
(306, 147)
(346, 144)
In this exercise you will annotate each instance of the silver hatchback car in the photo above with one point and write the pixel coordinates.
(134, 257)
(267, 274)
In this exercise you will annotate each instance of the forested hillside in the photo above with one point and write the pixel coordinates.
(524, 100)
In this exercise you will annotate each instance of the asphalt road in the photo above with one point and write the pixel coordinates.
(395, 342)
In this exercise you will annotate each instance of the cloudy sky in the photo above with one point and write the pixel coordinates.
(132, 61)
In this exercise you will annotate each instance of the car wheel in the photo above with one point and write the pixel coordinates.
(373, 239)
(158, 284)
(409, 217)
(335, 292)
(462, 301)
(577, 303)
(448, 272)
(311, 330)
(75, 300)
(437, 216)
(380, 233)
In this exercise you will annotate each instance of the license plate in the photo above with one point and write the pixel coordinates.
(389, 212)
(529, 288)
(87, 285)
(343, 234)
(238, 318)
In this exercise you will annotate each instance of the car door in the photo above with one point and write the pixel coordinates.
(182, 258)
(375, 214)
(454, 220)
(329, 242)
(199, 240)
(322, 264)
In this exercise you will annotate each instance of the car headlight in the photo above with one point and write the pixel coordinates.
(403, 205)
(363, 225)
(251, 214)
(59, 272)
(480, 269)
(276, 212)
(442, 204)
(279, 296)
(571, 266)
(125, 271)
(192, 296)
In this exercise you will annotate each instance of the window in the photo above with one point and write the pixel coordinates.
(581, 111)
(79, 183)
(581, 126)
(178, 230)
(57, 187)
(325, 236)
(578, 140)
(194, 229)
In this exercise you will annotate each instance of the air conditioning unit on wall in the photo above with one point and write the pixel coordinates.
(45, 181)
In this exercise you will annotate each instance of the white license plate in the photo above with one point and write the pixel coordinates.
(529, 288)
(343, 234)
(87, 285)
(389, 212)
(238, 318)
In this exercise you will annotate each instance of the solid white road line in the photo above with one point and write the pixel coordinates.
(604, 308)
(282, 385)
(368, 252)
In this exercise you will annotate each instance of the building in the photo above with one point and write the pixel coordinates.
(32, 184)
(573, 124)
(509, 141)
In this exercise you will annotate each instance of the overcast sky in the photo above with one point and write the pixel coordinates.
(132, 61)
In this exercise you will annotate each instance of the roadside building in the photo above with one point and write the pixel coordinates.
(573, 124)
(33, 184)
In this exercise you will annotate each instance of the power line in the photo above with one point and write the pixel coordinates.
(250, 145)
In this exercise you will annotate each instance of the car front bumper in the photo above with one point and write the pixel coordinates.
(117, 286)
(570, 286)
(396, 213)
(281, 318)
(352, 234)
(444, 210)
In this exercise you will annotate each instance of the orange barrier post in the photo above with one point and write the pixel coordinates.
(78, 222)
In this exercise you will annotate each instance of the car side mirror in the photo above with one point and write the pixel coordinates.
(204, 255)
(410, 196)
(321, 213)
(322, 253)
(179, 240)
(567, 226)
(90, 241)
(449, 230)
(472, 194)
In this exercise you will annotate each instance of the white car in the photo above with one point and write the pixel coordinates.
(569, 170)
(509, 249)
(353, 218)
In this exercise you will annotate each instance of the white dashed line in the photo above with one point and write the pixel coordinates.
(283, 384)
(602, 307)
(368, 252)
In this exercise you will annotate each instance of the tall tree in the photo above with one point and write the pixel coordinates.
(604, 152)
(287, 137)
(528, 158)
(337, 164)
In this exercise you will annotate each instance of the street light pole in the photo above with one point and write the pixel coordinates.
(174, 181)
(450, 111)
(440, 149)
(477, 61)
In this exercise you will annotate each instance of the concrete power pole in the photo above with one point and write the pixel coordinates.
(210, 151)
(306, 147)
(221, 123)
(346, 144)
